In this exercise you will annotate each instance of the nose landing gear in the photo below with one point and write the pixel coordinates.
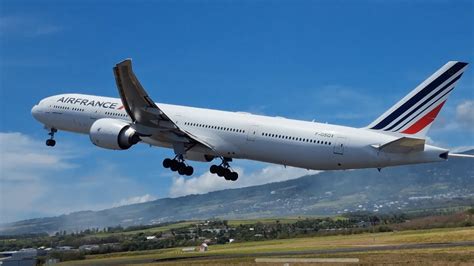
(51, 142)
(224, 170)
(178, 164)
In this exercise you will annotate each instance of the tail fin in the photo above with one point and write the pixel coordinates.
(414, 114)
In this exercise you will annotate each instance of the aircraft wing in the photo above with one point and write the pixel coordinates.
(147, 117)
(403, 145)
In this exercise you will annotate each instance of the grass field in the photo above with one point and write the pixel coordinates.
(188, 223)
(236, 253)
(285, 220)
(149, 230)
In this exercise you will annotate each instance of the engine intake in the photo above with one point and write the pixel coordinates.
(113, 134)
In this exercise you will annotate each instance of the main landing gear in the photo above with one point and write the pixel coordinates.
(51, 142)
(224, 170)
(178, 164)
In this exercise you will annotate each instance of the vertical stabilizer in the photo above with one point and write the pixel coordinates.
(415, 113)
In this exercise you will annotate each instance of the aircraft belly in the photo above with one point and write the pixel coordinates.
(62, 121)
(291, 155)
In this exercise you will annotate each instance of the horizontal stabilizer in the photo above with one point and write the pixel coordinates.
(403, 145)
(460, 155)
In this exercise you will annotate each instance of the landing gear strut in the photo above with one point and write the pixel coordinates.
(224, 170)
(51, 142)
(178, 164)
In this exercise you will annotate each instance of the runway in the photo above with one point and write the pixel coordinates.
(326, 251)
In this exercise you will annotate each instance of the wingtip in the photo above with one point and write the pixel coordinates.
(462, 63)
(127, 61)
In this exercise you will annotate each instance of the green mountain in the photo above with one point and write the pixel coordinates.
(328, 193)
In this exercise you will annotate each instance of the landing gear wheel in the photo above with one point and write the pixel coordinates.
(213, 169)
(220, 171)
(178, 164)
(224, 170)
(182, 170)
(234, 176)
(181, 165)
(167, 163)
(189, 170)
(174, 165)
(50, 142)
(227, 173)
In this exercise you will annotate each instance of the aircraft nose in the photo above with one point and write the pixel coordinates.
(35, 112)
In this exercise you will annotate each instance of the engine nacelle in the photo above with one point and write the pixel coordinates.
(113, 134)
(197, 156)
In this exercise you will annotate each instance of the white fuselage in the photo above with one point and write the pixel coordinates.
(276, 140)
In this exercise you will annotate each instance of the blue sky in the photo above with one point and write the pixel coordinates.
(342, 62)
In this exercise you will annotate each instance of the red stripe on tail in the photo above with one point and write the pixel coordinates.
(424, 121)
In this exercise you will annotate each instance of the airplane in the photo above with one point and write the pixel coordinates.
(397, 137)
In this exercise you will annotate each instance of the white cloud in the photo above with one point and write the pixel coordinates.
(38, 181)
(461, 149)
(208, 182)
(26, 26)
(337, 95)
(135, 200)
(433, 142)
(347, 104)
(23, 158)
(465, 114)
(20, 199)
(24, 165)
(458, 120)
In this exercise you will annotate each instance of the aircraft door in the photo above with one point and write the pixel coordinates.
(252, 132)
(339, 145)
(95, 115)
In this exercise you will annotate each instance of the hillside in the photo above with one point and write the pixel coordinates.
(393, 189)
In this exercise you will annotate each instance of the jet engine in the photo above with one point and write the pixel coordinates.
(113, 134)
